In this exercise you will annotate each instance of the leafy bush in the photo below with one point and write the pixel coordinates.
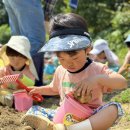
(4, 33)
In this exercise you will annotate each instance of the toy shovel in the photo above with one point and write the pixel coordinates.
(16, 78)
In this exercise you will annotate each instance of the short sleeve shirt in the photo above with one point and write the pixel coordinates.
(65, 82)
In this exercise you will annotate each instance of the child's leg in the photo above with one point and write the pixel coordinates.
(104, 117)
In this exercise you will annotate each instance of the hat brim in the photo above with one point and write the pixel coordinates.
(5, 58)
(95, 51)
(66, 43)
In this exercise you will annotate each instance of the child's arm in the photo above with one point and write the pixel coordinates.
(44, 90)
(126, 61)
(52, 88)
(112, 81)
(123, 67)
(2, 72)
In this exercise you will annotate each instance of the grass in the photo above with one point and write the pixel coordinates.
(123, 97)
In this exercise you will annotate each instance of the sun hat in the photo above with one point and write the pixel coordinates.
(102, 45)
(67, 40)
(20, 44)
(127, 39)
(99, 46)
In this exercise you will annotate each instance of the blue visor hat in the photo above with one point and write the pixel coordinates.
(67, 42)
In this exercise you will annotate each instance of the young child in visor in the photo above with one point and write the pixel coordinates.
(70, 40)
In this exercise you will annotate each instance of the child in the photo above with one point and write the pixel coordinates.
(103, 54)
(70, 40)
(17, 59)
(49, 70)
(127, 57)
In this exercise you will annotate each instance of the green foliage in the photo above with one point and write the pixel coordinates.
(106, 19)
(4, 33)
(121, 20)
(97, 13)
(123, 97)
(121, 54)
(3, 14)
(60, 7)
(128, 117)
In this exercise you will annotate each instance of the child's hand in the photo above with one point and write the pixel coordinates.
(83, 99)
(86, 86)
(35, 90)
(2, 74)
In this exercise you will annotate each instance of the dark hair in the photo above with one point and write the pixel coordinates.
(68, 21)
(12, 52)
(70, 53)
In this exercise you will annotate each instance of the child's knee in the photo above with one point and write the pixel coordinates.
(117, 111)
(113, 110)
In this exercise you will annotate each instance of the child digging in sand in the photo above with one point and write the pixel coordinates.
(17, 59)
(70, 40)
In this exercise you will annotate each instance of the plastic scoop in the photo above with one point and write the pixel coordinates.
(16, 78)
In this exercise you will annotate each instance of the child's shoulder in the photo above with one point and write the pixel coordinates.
(60, 68)
(98, 67)
(97, 64)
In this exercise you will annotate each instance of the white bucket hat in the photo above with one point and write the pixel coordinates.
(20, 44)
(99, 46)
(102, 45)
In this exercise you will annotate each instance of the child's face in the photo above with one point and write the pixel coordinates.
(72, 63)
(17, 62)
(101, 57)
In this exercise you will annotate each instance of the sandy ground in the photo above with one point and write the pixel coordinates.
(10, 118)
